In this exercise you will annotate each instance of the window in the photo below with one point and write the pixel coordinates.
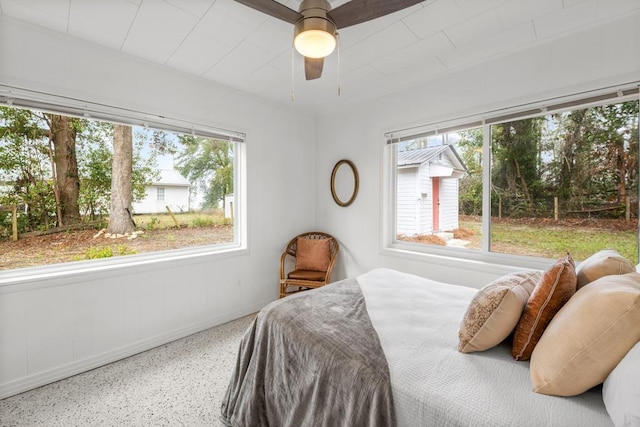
(68, 180)
(536, 183)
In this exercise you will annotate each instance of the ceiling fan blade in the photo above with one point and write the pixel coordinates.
(313, 68)
(358, 11)
(273, 8)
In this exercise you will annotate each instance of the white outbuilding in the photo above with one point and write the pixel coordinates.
(427, 190)
(172, 190)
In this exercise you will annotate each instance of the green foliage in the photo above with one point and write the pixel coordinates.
(152, 224)
(202, 221)
(26, 156)
(95, 166)
(96, 252)
(208, 221)
(470, 190)
(587, 158)
(515, 148)
(208, 163)
(25, 163)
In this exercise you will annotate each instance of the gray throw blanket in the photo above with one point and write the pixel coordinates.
(312, 359)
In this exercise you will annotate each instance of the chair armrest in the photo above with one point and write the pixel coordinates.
(282, 260)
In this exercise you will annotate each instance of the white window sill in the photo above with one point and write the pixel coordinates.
(465, 258)
(65, 273)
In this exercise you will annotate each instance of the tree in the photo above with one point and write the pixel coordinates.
(120, 220)
(208, 163)
(39, 151)
(25, 166)
(595, 155)
(65, 167)
(95, 162)
(515, 172)
(470, 191)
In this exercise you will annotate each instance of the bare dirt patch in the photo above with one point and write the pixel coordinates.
(429, 239)
(74, 245)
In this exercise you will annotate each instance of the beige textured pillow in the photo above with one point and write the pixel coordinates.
(313, 254)
(553, 290)
(588, 337)
(602, 263)
(494, 311)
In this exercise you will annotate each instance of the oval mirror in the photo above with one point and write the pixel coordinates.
(344, 182)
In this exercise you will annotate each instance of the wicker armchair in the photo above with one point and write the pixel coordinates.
(305, 275)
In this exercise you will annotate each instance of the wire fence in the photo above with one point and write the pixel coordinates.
(560, 208)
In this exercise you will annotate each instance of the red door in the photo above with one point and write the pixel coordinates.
(435, 183)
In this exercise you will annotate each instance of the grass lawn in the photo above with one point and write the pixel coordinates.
(548, 239)
(164, 220)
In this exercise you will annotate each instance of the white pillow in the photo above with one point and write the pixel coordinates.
(621, 390)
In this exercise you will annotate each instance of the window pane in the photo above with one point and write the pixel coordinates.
(439, 189)
(74, 181)
(566, 182)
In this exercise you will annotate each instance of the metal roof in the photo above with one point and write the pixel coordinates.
(171, 177)
(424, 155)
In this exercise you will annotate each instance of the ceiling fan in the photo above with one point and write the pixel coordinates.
(316, 24)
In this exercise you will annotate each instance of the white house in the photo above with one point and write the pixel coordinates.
(221, 65)
(427, 195)
(172, 190)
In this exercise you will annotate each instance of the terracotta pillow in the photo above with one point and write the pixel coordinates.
(313, 254)
(602, 263)
(494, 311)
(553, 290)
(589, 337)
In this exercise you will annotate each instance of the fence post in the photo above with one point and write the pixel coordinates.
(175, 221)
(500, 208)
(555, 208)
(14, 221)
(627, 211)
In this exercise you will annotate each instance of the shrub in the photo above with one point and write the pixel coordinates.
(203, 221)
(107, 251)
(152, 224)
(96, 252)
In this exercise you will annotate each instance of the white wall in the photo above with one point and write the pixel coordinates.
(449, 204)
(176, 197)
(407, 200)
(51, 327)
(593, 59)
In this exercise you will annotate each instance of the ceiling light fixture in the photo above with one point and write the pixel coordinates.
(315, 34)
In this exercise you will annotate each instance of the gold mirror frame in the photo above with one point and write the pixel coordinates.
(356, 182)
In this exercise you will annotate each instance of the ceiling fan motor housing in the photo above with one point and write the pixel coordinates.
(315, 18)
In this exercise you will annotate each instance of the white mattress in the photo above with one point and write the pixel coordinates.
(433, 384)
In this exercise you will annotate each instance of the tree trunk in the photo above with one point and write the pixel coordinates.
(63, 136)
(120, 221)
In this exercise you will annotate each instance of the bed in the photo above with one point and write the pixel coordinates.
(382, 350)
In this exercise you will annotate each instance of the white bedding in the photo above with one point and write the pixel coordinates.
(433, 384)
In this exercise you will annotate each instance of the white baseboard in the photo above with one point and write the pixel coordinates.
(64, 371)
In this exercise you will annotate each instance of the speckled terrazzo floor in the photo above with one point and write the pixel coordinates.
(178, 384)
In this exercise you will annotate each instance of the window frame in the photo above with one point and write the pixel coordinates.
(41, 101)
(453, 255)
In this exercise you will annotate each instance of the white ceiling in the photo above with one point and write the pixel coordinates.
(236, 46)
